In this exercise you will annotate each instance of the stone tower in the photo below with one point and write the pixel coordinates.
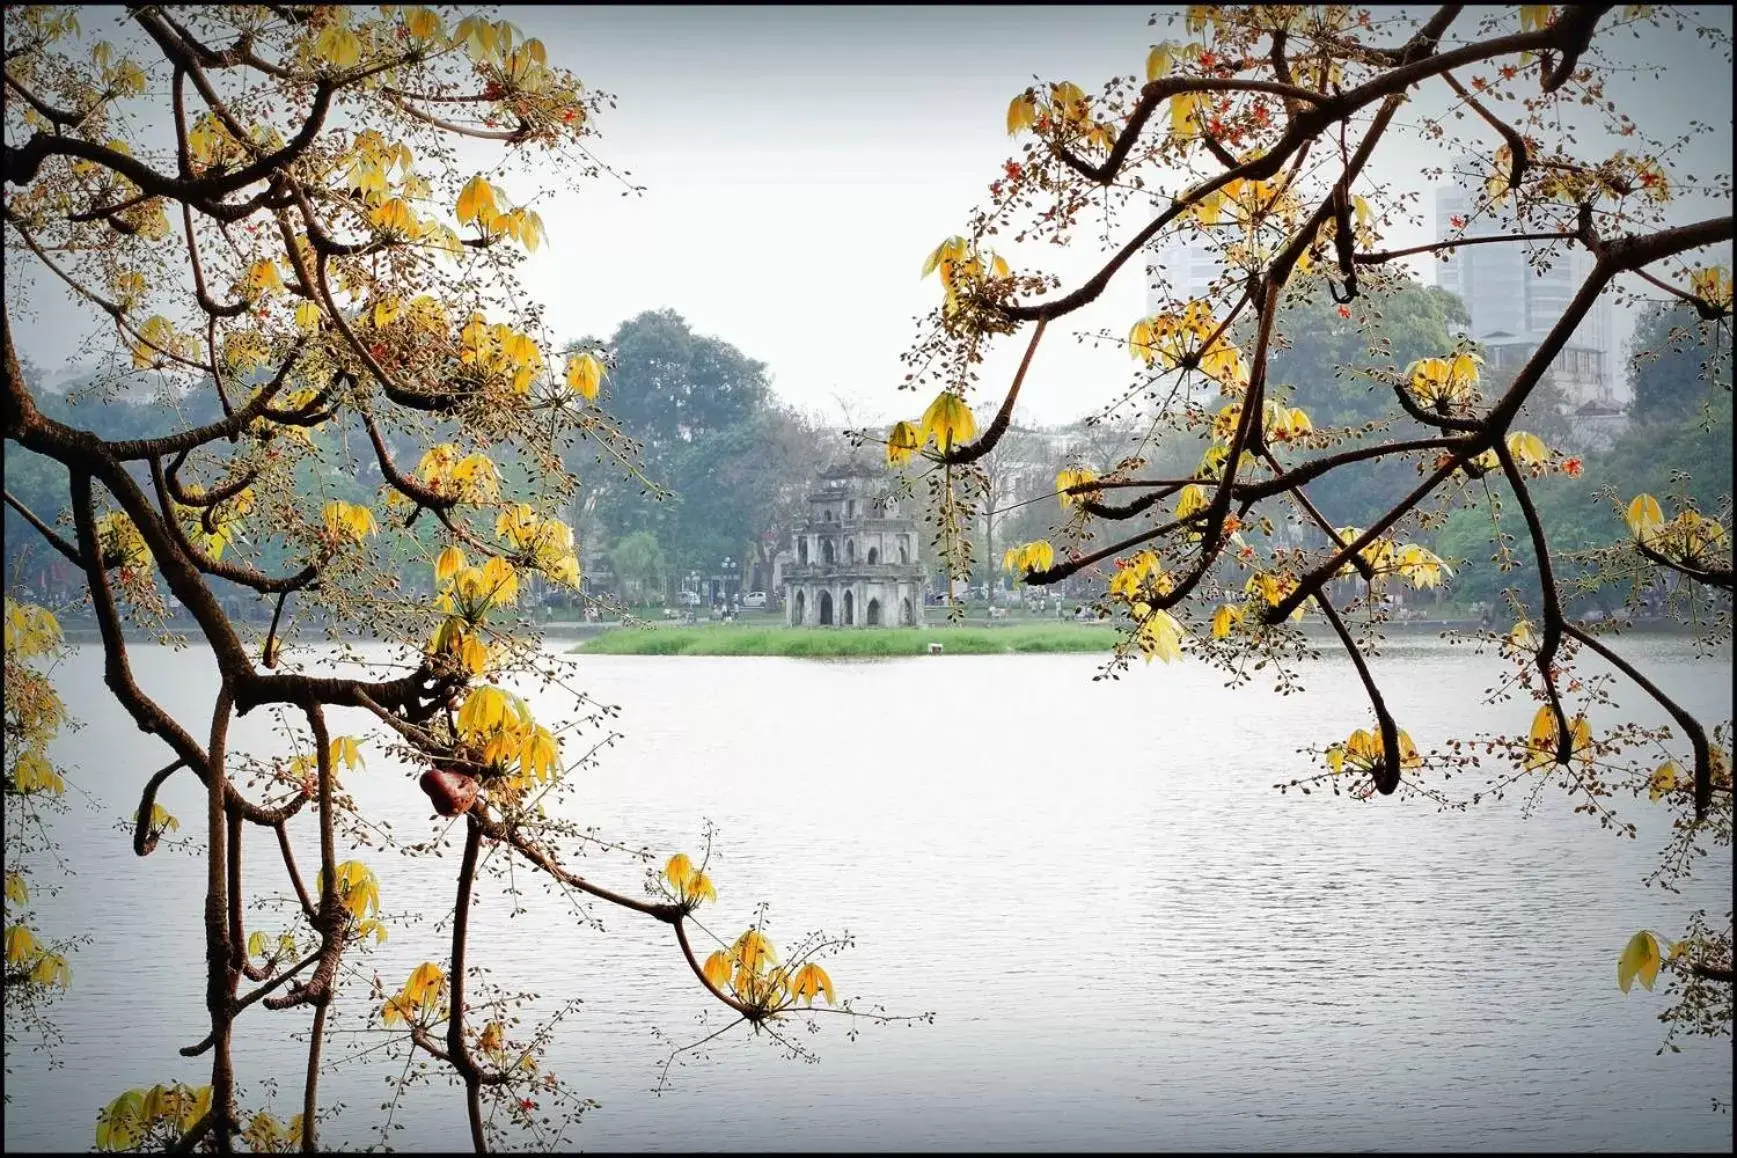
(856, 558)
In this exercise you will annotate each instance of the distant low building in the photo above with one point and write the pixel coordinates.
(856, 558)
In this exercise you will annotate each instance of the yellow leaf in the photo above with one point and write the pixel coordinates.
(952, 249)
(1541, 744)
(1640, 958)
(492, 1038)
(21, 945)
(902, 442)
(262, 277)
(754, 952)
(307, 317)
(423, 23)
(585, 375)
(424, 980)
(338, 45)
(949, 421)
(717, 970)
(1160, 636)
(1645, 517)
(811, 981)
(1021, 114)
(476, 201)
(1158, 61)
(1664, 779)
(679, 871)
(448, 564)
(1065, 479)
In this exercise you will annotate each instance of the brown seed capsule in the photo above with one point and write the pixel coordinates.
(452, 792)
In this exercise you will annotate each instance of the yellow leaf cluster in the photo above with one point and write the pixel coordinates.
(1361, 752)
(690, 884)
(1541, 741)
(160, 343)
(810, 982)
(471, 478)
(1073, 477)
(1271, 588)
(948, 421)
(1136, 574)
(1157, 633)
(1712, 284)
(749, 969)
(1440, 382)
(1665, 779)
(338, 45)
(30, 631)
(1186, 338)
(420, 997)
(499, 351)
(136, 1115)
(1028, 557)
(585, 375)
(1640, 958)
(1645, 517)
(358, 891)
(902, 442)
(500, 726)
(961, 266)
(548, 541)
(264, 1134)
(348, 520)
(347, 751)
(1529, 451)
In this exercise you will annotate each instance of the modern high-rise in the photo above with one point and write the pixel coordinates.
(1516, 292)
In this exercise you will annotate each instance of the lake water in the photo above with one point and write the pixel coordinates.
(1128, 938)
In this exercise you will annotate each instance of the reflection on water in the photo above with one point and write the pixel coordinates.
(1129, 939)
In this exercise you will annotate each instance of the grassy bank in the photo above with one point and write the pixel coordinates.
(850, 642)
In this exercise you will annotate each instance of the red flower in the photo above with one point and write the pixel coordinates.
(527, 1105)
(1344, 311)
(1571, 467)
(1457, 221)
(1208, 59)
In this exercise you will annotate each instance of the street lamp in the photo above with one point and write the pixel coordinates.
(725, 577)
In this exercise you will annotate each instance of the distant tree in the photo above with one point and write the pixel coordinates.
(722, 464)
(1678, 361)
(1262, 129)
(639, 563)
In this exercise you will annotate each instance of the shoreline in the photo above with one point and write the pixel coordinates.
(772, 638)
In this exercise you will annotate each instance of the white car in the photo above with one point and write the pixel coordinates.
(754, 599)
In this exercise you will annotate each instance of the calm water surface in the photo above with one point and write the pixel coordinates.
(1129, 939)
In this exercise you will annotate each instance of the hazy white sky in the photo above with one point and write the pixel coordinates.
(800, 162)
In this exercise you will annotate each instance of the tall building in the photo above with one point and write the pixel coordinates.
(1513, 302)
(1179, 268)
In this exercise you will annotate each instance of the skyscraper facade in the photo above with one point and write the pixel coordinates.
(1516, 292)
